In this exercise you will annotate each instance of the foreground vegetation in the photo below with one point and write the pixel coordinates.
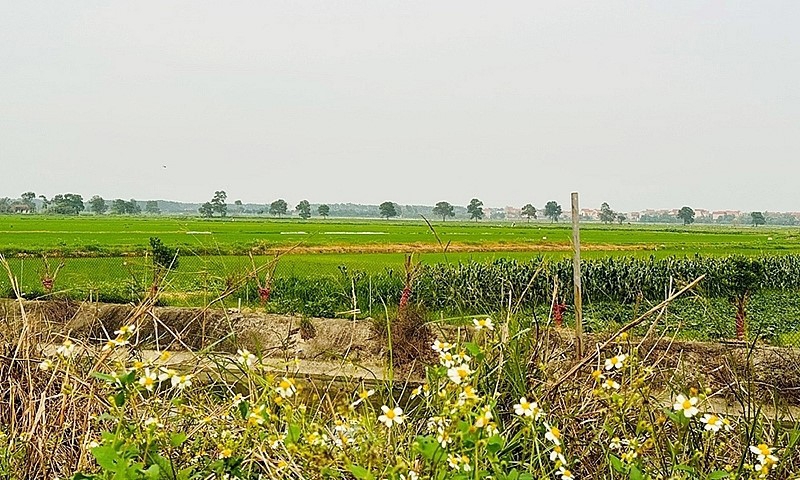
(740, 296)
(492, 402)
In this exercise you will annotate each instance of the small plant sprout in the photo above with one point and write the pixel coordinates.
(484, 323)
(391, 416)
(616, 362)
(686, 406)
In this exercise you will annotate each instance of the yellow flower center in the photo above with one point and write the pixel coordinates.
(390, 414)
(525, 405)
(686, 405)
(285, 385)
(462, 372)
(713, 420)
(555, 431)
(148, 381)
(764, 449)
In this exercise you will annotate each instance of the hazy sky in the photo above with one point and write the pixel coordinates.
(641, 104)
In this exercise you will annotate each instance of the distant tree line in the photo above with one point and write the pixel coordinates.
(74, 204)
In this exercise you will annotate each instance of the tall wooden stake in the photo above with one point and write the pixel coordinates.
(576, 275)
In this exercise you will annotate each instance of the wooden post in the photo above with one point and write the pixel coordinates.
(576, 275)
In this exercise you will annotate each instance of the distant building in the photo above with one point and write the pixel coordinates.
(513, 213)
(20, 208)
(591, 213)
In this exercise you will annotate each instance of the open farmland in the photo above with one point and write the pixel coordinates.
(114, 236)
(337, 266)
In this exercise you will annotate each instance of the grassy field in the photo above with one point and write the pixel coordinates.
(113, 236)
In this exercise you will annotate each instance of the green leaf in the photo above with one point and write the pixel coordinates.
(153, 472)
(635, 473)
(81, 476)
(474, 350)
(107, 457)
(718, 474)
(292, 434)
(616, 464)
(360, 473)
(430, 449)
(495, 443)
(244, 409)
(119, 398)
(104, 377)
(177, 439)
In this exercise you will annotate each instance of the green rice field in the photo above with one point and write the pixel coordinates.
(115, 236)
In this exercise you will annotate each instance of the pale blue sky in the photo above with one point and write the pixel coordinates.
(641, 104)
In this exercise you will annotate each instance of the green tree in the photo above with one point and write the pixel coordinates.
(388, 210)
(552, 210)
(278, 207)
(687, 215)
(118, 206)
(758, 218)
(528, 211)
(239, 206)
(621, 217)
(740, 281)
(27, 199)
(475, 209)
(606, 214)
(67, 204)
(133, 207)
(97, 205)
(324, 210)
(152, 207)
(206, 210)
(218, 203)
(444, 210)
(304, 209)
(164, 257)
